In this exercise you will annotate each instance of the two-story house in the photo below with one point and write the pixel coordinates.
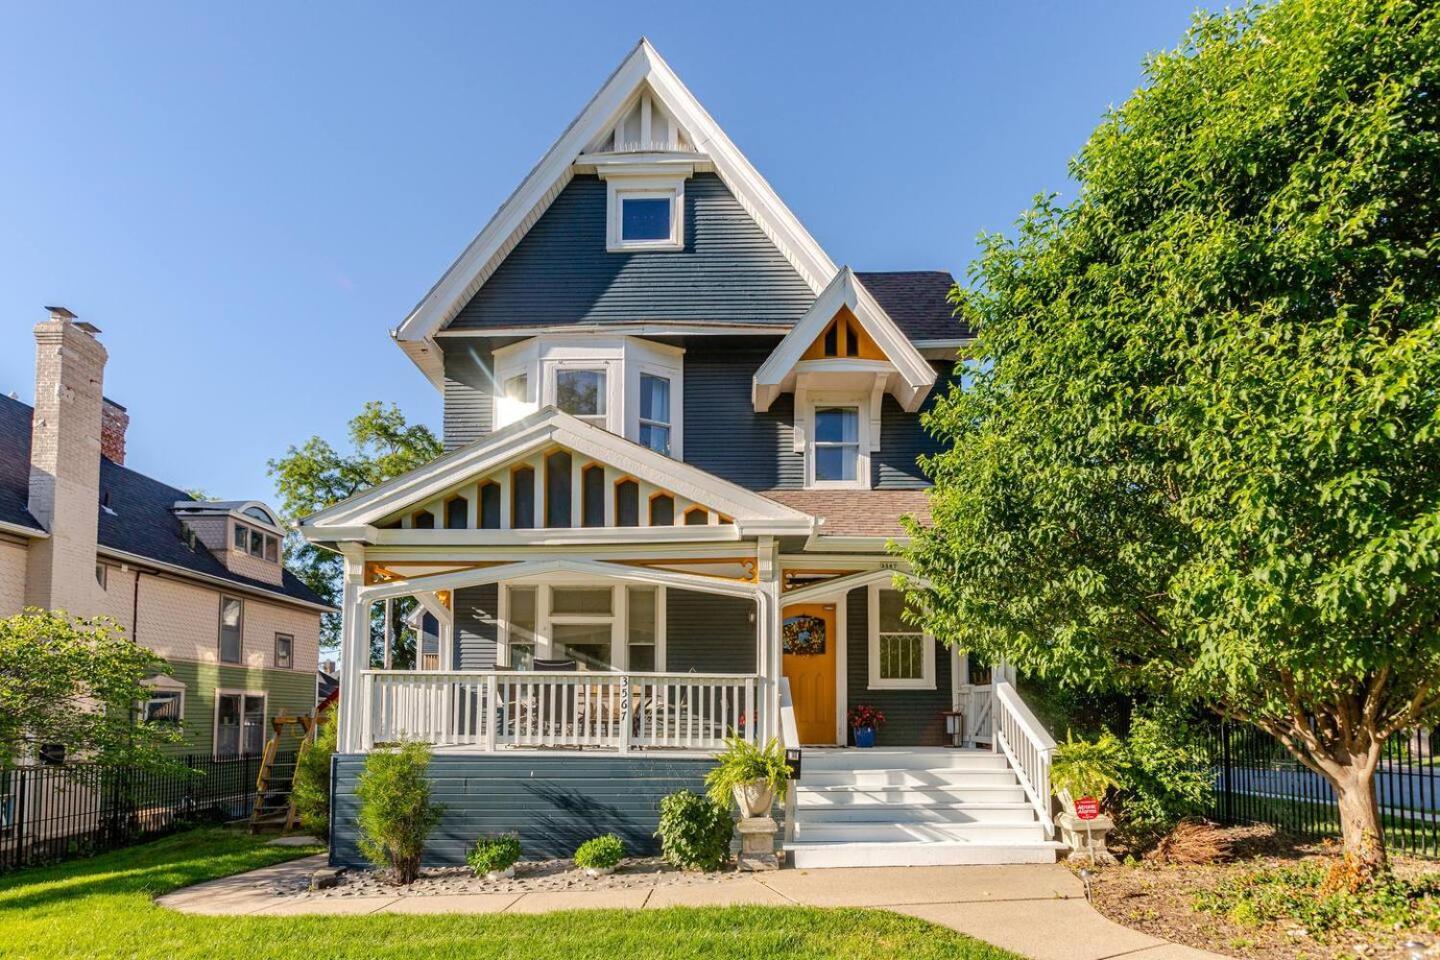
(680, 438)
(201, 583)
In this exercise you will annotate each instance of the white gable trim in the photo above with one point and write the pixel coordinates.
(777, 374)
(540, 429)
(644, 66)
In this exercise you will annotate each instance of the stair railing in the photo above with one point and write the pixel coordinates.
(790, 740)
(1027, 745)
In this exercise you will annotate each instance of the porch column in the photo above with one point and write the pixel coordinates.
(767, 622)
(354, 651)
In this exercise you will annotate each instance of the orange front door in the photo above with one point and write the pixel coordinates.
(808, 634)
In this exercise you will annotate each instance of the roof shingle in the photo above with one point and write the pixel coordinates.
(858, 513)
(918, 301)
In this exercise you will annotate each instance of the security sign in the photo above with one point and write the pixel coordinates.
(1087, 808)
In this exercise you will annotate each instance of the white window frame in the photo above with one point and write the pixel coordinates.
(215, 722)
(165, 684)
(220, 631)
(554, 368)
(620, 189)
(926, 681)
(657, 373)
(545, 619)
(861, 403)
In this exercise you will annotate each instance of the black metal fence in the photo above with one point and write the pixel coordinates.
(50, 813)
(1258, 781)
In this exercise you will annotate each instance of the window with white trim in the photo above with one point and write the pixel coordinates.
(580, 392)
(837, 442)
(163, 706)
(600, 626)
(645, 214)
(239, 723)
(902, 656)
(232, 616)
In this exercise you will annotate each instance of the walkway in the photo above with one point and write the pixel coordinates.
(1038, 911)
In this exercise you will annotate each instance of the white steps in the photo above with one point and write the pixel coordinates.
(911, 806)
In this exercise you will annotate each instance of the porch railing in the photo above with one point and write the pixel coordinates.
(501, 709)
(1027, 745)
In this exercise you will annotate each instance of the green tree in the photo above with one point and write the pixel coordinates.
(1199, 453)
(311, 791)
(315, 475)
(77, 682)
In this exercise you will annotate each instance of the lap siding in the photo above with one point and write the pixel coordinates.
(913, 717)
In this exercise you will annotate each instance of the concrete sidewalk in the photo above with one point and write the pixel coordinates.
(1038, 911)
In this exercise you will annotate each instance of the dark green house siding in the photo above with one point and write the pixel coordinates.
(287, 691)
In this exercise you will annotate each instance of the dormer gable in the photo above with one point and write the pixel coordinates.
(244, 535)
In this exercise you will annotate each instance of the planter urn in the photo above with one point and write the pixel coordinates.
(864, 736)
(755, 798)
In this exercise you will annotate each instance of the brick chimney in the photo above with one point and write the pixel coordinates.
(65, 464)
(113, 423)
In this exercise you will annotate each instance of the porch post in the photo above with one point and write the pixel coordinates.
(389, 633)
(768, 665)
(354, 651)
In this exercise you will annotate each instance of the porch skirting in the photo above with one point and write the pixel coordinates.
(554, 803)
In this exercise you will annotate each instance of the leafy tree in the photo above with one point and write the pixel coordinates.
(77, 681)
(315, 475)
(1199, 453)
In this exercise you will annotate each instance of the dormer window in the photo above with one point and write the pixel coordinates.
(643, 217)
(837, 442)
(257, 544)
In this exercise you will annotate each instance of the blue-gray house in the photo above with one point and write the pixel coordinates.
(679, 439)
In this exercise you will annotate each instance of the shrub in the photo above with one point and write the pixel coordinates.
(1088, 768)
(602, 853)
(1166, 771)
(396, 814)
(311, 790)
(743, 762)
(494, 854)
(694, 831)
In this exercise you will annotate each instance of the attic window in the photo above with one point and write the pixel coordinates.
(645, 214)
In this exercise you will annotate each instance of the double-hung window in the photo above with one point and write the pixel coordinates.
(232, 616)
(655, 412)
(581, 393)
(901, 654)
(837, 444)
(284, 651)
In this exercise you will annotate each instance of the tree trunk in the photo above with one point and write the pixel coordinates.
(1360, 826)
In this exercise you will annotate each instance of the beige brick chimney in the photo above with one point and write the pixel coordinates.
(65, 464)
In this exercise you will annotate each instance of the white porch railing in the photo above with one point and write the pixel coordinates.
(500, 709)
(790, 740)
(1028, 746)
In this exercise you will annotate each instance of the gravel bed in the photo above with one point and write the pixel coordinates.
(530, 876)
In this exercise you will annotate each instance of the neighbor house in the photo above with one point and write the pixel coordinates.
(680, 438)
(201, 583)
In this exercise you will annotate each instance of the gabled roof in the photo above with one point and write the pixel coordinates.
(541, 430)
(136, 518)
(644, 70)
(777, 373)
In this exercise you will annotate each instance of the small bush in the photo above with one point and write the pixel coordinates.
(1166, 771)
(494, 854)
(311, 790)
(743, 762)
(602, 853)
(694, 831)
(396, 814)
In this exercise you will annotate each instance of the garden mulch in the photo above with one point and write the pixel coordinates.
(1159, 899)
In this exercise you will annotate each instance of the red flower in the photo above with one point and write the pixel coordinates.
(865, 716)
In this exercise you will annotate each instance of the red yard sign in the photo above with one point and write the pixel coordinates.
(1087, 808)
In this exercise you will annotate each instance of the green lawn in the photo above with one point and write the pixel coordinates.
(102, 908)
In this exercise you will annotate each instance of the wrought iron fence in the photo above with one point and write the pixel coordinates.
(54, 812)
(1258, 781)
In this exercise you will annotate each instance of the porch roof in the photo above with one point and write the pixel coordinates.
(858, 513)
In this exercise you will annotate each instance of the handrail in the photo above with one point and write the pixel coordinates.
(1028, 746)
(596, 675)
(790, 740)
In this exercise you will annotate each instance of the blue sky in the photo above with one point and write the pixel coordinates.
(247, 197)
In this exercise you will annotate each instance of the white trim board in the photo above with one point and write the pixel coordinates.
(642, 72)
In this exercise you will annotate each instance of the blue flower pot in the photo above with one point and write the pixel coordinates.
(864, 736)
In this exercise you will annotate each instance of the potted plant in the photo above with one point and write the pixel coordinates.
(1086, 768)
(494, 858)
(753, 775)
(865, 721)
(601, 855)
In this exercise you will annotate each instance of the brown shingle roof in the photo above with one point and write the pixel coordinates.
(857, 513)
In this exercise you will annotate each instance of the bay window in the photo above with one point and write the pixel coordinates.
(655, 413)
(581, 393)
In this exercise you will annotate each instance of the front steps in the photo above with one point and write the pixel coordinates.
(911, 806)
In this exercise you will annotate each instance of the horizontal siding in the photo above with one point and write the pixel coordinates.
(895, 466)
(708, 633)
(723, 433)
(467, 393)
(476, 627)
(912, 717)
(287, 692)
(560, 272)
(553, 803)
